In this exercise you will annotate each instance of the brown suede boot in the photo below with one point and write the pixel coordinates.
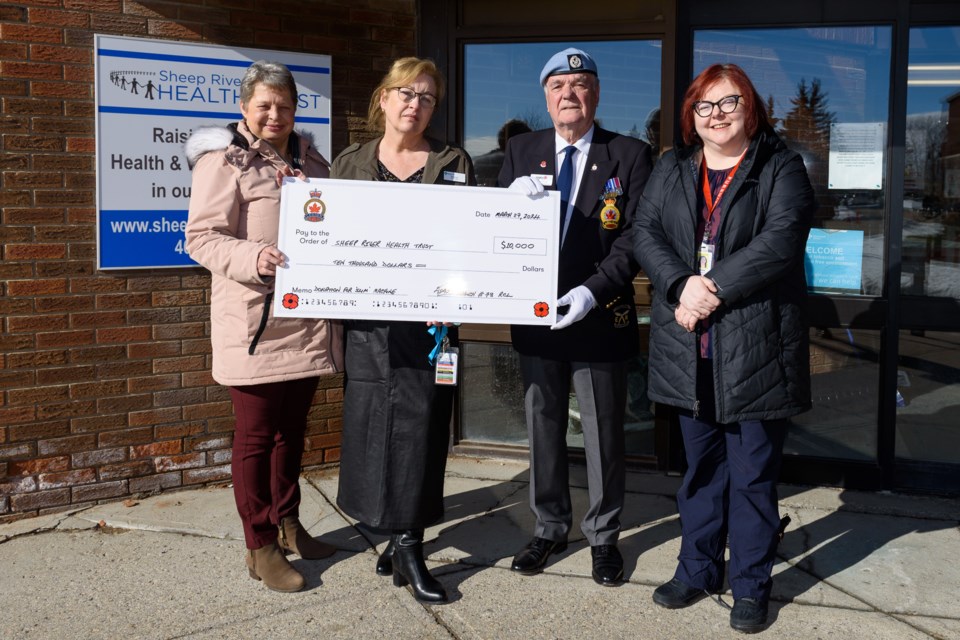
(293, 537)
(270, 565)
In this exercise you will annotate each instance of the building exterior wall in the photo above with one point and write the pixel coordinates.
(105, 387)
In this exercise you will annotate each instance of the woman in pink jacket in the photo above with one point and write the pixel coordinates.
(271, 366)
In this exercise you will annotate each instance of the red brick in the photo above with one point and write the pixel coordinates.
(208, 410)
(124, 437)
(64, 374)
(64, 126)
(75, 19)
(66, 90)
(61, 197)
(120, 24)
(98, 423)
(124, 403)
(323, 441)
(49, 53)
(38, 395)
(163, 448)
(178, 397)
(37, 287)
(198, 379)
(80, 181)
(178, 430)
(11, 162)
(38, 465)
(100, 491)
(66, 410)
(40, 499)
(155, 416)
(123, 301)
(152, 316)
(332, 455)
(64, 339)
(277, 40)
(187, 363)
(154, 483)
(12, 87)
(153, 349)
(83, 109)
(69, 444)
(30, 33)
(126, 470)
(29, 106)
(31, 70)
(64, 303)
(101, 6)
(30, 324)
(98, 457)
(97, 319)
(124, 369)
(193, 347)
(38, 430)
(33, 216)
(98, 389)
(333, 395)
(17, 198)
(16, 379)
(16, 415)
(221, 425)
(178, 298)
(153, 383)
(9, 13)
(98, 354)
(32, 180)
(208, 474)
(180, 462)
(179, 331)
(168, 29)
(312, 458)
(152, 283)
(16, 342)
(123, 334)
(66, 479)
(35, 251)
(255, 19)
(62, 162)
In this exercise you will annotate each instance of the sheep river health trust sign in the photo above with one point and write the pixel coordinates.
(150, 96)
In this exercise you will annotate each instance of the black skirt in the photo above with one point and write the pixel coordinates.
(396, 427)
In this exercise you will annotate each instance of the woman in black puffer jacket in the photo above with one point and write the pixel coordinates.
(720, 231)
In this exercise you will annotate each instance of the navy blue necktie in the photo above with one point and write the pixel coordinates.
(565, 183)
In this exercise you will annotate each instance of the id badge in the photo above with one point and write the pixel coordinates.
(705, 257)
(445, 370)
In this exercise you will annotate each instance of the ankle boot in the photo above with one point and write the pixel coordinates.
(270, 565)
(409, 568)
(293, 537)
(385, 561)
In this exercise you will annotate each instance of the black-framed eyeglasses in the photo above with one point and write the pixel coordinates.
(726, 104)
(427, 100)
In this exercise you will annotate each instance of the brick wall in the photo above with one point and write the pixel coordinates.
(105, 387)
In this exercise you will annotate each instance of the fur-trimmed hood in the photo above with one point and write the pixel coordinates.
(207, 139)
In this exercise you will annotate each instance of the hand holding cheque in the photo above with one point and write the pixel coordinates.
(378, 250)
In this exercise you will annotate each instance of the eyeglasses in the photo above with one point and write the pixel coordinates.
(727, 104)
(427, 100)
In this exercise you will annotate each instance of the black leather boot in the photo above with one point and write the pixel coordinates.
(385, 561)
(409, 568)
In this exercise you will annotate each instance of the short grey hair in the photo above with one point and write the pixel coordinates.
(272, 74)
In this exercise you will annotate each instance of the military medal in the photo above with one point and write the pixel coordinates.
(610, 215)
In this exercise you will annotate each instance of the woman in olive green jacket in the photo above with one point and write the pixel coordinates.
(395, 419)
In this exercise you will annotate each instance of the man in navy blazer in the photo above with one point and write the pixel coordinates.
(600, 175)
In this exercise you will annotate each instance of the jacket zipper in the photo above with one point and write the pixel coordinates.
(263, 323)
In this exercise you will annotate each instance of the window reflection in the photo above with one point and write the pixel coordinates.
(931, 225)
(827, 94)
(502, 95)
(928, 396)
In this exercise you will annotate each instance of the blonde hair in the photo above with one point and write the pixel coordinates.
(402, 73)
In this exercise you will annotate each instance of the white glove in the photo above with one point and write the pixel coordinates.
(527, 185)
(580, 300)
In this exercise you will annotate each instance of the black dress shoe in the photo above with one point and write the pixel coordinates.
(385, 561)
(607, 565)
(533, 556)
(676, 595)
(748, 615)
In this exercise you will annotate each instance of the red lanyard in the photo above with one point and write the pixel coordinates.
(708, 197)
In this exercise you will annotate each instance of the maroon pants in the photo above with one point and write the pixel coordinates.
(267, 450)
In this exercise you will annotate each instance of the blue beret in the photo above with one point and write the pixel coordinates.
(569, 60)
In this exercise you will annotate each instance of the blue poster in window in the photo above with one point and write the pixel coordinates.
(834, 259)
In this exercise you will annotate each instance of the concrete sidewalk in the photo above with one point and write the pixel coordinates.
(852, 565)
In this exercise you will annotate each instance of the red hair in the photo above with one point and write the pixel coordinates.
(755, 116)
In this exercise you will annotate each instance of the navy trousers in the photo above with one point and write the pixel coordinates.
(730, 487)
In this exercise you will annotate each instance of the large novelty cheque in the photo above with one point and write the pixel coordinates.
(391, 251)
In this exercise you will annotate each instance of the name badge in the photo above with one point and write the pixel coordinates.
(453, 176)
(445, 371)
(546, 179)
(705, 258)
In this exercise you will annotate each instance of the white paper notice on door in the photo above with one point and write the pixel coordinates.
(856, 155)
